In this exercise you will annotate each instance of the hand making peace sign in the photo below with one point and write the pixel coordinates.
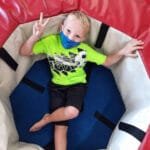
(39, 26)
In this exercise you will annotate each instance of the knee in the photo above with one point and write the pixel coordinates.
(71, 112)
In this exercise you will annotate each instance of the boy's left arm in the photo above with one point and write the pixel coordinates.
(128, 50)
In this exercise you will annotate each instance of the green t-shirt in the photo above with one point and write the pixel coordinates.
(67, 65)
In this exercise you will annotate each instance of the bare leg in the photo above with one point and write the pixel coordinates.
(61, 114)
(60, 137)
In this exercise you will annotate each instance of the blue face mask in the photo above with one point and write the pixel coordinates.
(66, 42)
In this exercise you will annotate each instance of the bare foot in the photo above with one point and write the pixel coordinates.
(38, 125)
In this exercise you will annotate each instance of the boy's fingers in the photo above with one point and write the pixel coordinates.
(138, 47)
(41, 18)
(46, 22)
(132, 55)
(138, 42)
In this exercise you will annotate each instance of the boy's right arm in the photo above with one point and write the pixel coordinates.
(38, 29)
(26, 48)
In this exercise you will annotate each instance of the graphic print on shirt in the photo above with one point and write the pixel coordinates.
(64, 64)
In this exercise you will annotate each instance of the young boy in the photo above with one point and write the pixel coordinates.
(67, 56)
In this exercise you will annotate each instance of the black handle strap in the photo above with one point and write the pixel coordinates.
(33, 85)
(104, 120)
(134, 131)
(5, 56)
(101, 36)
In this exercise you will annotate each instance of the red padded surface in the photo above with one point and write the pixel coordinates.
(131, 17)
(15, 12)
(61, 6)
(128, 16)
(7, 23)
(146, 141)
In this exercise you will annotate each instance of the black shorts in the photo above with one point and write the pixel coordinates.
(62, 96)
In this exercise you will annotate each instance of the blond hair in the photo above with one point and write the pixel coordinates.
(83, 18)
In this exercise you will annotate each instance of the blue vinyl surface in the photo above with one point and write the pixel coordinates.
(85, 132)
(29, 105)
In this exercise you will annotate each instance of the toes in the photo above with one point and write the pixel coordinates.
(34, 128)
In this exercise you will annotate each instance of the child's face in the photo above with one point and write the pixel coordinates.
(74, 29)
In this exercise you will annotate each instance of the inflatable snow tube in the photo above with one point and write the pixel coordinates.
(107, 122)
